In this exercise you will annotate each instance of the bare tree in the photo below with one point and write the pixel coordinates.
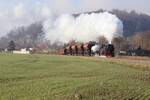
(141, 40)
(102, 40)
(121, 44)
(11, 45)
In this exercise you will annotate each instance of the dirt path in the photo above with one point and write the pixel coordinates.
(137, 62)
(143, 62)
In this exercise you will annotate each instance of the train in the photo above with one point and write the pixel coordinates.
(89, 49)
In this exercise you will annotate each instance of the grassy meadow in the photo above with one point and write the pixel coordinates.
(44, 77)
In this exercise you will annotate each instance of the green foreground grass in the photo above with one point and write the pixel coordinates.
(43, 77)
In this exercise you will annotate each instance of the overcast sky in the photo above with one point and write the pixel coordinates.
(14, 13)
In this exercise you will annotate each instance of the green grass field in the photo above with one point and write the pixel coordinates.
(43, 77)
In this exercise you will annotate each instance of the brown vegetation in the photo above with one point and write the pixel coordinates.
(141, 40)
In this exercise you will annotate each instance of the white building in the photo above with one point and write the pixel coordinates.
(22, 51)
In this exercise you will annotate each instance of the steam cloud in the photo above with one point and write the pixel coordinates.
(84, 28)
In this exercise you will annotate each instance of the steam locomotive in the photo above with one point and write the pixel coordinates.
(89, 49)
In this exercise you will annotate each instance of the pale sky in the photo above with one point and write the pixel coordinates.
(14, 13)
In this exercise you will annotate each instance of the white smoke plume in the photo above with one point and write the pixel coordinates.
(84, 28)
